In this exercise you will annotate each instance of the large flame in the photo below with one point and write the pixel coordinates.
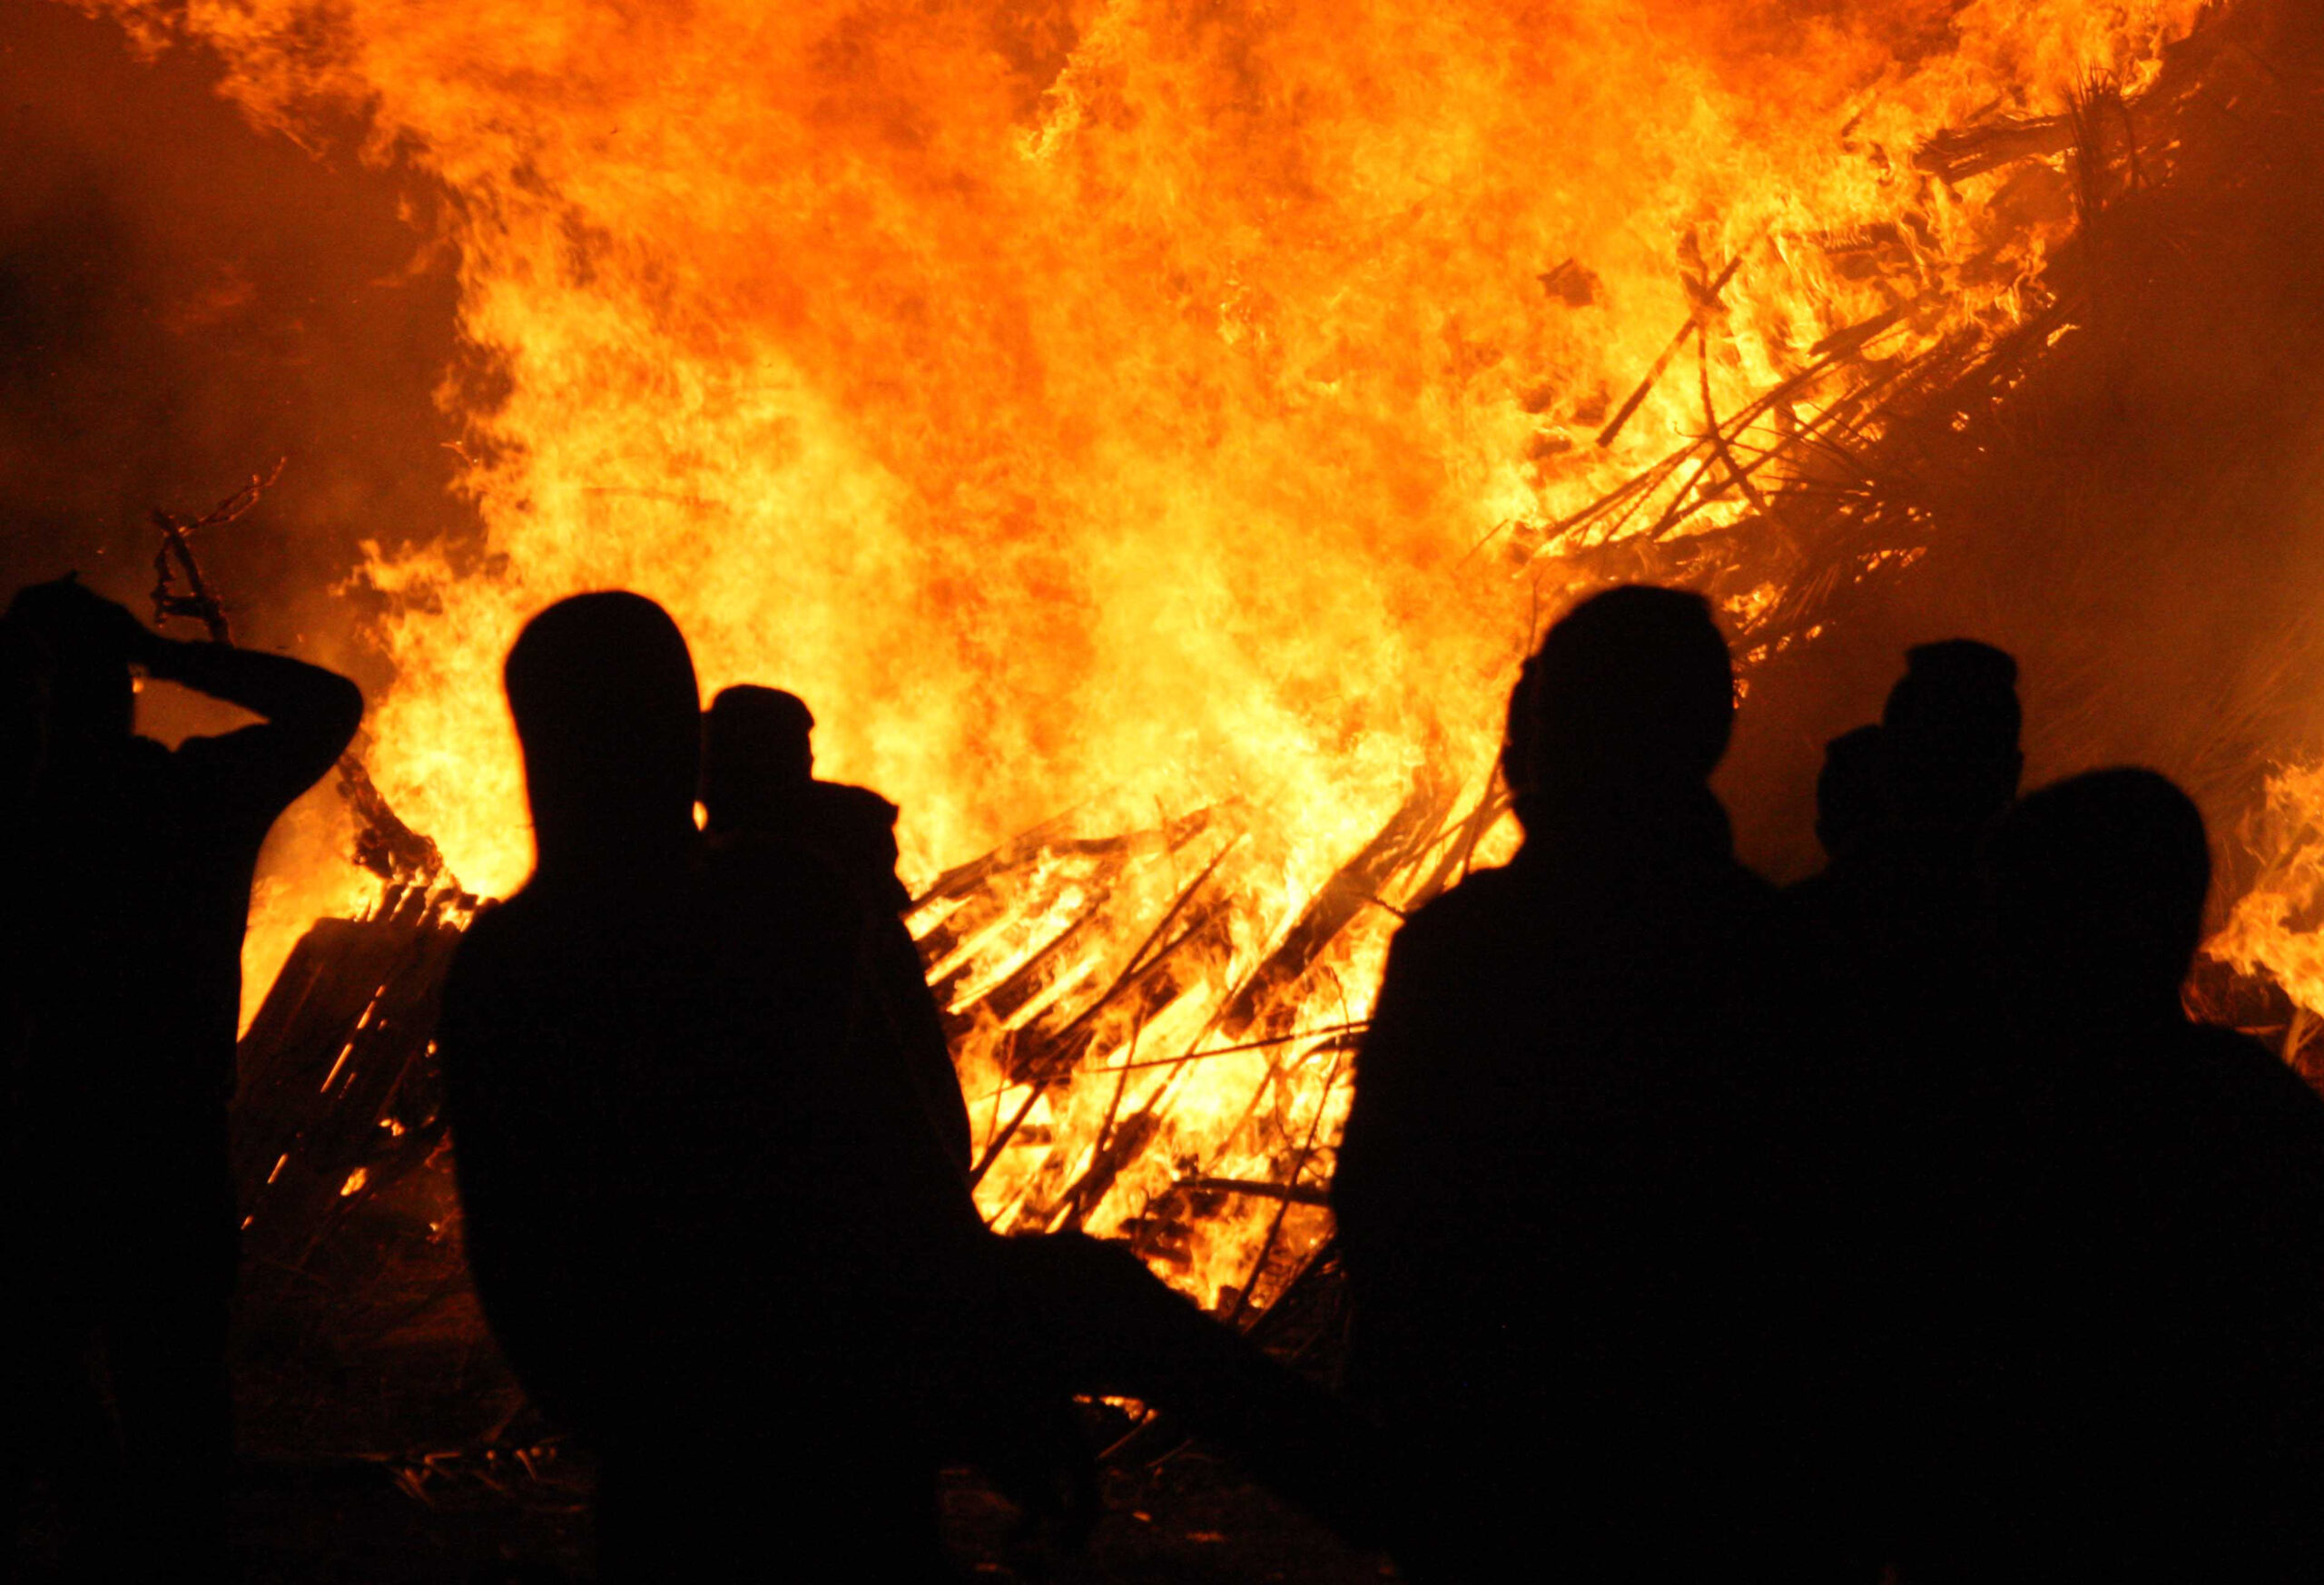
(1074, 397)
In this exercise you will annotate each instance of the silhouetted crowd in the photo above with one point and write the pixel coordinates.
(1900, 1226)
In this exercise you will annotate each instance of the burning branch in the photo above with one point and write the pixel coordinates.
(1706, 306)
(199, 601)
(411, 863)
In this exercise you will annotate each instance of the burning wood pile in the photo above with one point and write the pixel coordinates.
(1088, 981)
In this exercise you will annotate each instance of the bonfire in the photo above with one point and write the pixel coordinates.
(1818, 379)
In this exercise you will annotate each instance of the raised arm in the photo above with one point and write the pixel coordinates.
(309, 715)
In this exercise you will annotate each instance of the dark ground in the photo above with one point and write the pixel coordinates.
(400, 1454)
(478, 1521)
(505, 1502)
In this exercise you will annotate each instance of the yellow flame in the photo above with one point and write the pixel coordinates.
(1105, 396)
(2273, 929)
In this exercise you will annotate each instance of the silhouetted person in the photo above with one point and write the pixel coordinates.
(1900, 807)
(708, 1216)
(758, 775)
(27, 679)
(140, 865)
(1893, 954)
(1849, 792)
(758, 785)
(684, 1199)
(1558, 1189)
(24, 679)
(2164, 1416)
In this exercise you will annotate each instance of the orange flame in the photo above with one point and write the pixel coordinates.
(2272, 930)
(1102, 395)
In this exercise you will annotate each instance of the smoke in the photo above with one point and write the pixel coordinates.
(184, 299)
(2143, 525)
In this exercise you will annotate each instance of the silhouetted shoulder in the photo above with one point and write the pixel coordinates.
(779, 876)
(484, 991)
(1434, 951)
(1483, 900)
(484, 946)
(2252, 1093)
(507, 932)
(860, 804)
(1425, 963)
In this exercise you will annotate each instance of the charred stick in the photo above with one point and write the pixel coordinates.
(963, 879)
(1290, 1196)
(1339, 901)
(1137, 959)
(1033, 976)
(201, 602)
(1080, 1208)
(1106, 1162)
(1704, 303)
(967, 945)
(1467, 832)
(1715, 433)
(1297, 1193)
(1330, 1031)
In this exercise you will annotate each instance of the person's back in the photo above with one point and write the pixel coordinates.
(760, 798)
(2166, 1286)
(711, 1230)
(146, 854)
(1547, 1188)
(1902, 807)
(655, 1049)
(1895, 978)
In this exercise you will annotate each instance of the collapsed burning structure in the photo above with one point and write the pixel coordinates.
(930, 377)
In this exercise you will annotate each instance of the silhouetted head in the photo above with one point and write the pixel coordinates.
(2098, 886)
(602, 690)
(1849, 802)
(756, 756)
(1629, 699)
(1951, 738)
(91, 696)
